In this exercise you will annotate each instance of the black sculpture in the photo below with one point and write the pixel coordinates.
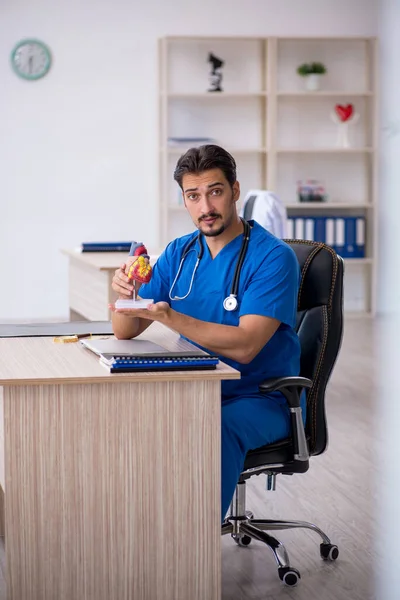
(216, 73)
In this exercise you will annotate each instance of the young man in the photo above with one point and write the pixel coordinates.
(257, 337)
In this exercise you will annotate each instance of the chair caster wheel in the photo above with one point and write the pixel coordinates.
(242, 540)
(289, 576)
(329, 551)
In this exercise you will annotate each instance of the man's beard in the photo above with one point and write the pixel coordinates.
(213, 233)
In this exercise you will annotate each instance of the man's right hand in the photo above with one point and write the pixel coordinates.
(126, 327)
(121, 283)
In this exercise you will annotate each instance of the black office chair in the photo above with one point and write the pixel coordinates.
(319, 326)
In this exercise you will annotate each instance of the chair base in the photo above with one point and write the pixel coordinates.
(243, 527)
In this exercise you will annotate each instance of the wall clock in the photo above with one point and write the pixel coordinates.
(31, 59)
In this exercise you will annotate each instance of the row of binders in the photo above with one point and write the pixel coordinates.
(346, 235)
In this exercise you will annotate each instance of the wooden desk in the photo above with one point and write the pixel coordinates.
(112, 482)
(90, 277)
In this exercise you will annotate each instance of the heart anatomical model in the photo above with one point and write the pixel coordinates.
(140, 269)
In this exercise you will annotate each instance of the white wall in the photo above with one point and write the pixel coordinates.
(388, 329)
(78, 149)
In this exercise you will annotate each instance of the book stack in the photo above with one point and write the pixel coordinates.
(190, 141)
(130, 364)
(129, 356)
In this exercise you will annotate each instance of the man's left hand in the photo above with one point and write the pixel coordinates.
(155, 312)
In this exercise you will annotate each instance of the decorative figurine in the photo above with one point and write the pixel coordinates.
(311, 191)
(344, 116)
(216, 73)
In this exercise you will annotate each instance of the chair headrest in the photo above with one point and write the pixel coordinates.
(319, 265)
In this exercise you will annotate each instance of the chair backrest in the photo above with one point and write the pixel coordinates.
(319, 327)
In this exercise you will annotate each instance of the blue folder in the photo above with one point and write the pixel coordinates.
(106, 246)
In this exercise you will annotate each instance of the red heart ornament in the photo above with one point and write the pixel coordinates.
(344, 112)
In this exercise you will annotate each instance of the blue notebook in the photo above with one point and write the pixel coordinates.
(143, 355)
(177, 363)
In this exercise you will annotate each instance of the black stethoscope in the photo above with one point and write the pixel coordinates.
(231, 302)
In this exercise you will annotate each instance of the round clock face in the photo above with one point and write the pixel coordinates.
(31, 59)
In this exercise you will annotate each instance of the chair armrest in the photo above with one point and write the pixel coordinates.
(291, 388)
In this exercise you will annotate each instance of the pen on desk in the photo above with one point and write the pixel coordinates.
(71, 338)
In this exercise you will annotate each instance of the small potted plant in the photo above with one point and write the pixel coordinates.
(312, 73)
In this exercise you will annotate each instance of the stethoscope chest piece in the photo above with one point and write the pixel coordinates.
(230, 303)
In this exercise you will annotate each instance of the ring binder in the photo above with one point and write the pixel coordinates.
(133, 364)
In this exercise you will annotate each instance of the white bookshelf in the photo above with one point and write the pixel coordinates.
(277, 131)
(238, 150)
(322, 94)
(322, 150)
(216, 97)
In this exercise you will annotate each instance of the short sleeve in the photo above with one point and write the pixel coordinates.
(158, 286)
(273, 289)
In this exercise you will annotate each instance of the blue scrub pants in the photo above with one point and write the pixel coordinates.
(248, 423)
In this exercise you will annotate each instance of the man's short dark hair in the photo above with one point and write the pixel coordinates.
(203, 158)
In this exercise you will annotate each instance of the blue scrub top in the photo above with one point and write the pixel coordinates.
(269, 284)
